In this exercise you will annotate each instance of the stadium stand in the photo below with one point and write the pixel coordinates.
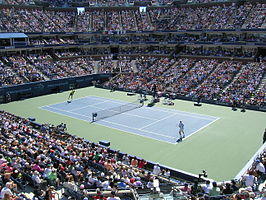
(80, 166)
(209, 79)
(85, 169)
(246, 16)
(214, 51)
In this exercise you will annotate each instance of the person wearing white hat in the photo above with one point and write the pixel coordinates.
(156, 169)
(6, 190)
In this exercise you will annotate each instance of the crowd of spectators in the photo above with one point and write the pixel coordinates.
(8, 76)
(206, 1)
(48, 159)
(242, 89)
(68, 53)
(23, 69)
(98, 21)
(26, 20)
(63, 68)
(78, 52)
(122, 64)
(159, 39)
(215, 17)
(85, 21)
(38, 67)
(45, 41)
(149, 69)
(113, 21)
(259, 96)
(217, 81)
(219, 51)
(18, 2)
(171, 38)
(125, 64)
(100, 3)
(209, 79)
(195, 76)
(128, 21)
(106, 65)
(147, 50)
(256, 17)
(144, 21)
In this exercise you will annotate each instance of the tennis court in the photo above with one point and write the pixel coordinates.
(152, 122)
(222, 148)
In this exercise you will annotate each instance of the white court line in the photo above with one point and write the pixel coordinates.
(90, 105)
(117, 100)
(110, 126)
(157, 121)
(67, 111)
(131, 134)
(137, 129)
(250, 162)
(194, 115)
(86, 97)
(65, 115)
(135, 133)
(168, 110)
(201, 128)
(62, 102)
(124, 113)
(173, 111)
(113, 123)
(93, 106)
(161, 109)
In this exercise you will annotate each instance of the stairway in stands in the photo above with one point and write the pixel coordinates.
(31, 62)
(134, 67)
(256, 17)
(263, 83)
(235, 78)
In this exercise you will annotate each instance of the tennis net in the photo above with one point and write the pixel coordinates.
(116, 110)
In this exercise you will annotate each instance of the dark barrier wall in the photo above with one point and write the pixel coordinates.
(19, 92)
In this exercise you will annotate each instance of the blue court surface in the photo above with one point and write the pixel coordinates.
(152, 122)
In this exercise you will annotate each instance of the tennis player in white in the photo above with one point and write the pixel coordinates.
(181, 129)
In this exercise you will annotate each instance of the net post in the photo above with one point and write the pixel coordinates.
(94, 115)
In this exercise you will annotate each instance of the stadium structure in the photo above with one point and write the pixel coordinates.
(199, 61)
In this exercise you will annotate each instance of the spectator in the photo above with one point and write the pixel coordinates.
(186, 189)
(156, 169)
(7, 191)
(134, 162)
(113, 196)
(207, 187)
(215, 191)
(142, 163)
(249, 179)
(228, 189)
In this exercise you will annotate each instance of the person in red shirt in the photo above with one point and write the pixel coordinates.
(142, 163)
(186, 189)
(134, 162)
(99, 195)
